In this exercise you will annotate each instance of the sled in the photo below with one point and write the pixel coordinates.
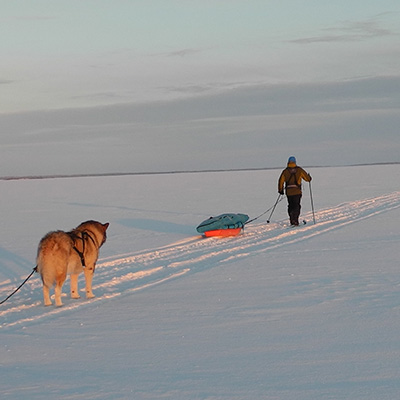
(223, 225)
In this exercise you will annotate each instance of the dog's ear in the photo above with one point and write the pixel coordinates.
(106, 225)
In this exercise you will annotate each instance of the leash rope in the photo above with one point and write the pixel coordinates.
(20, 286)
(269, 209)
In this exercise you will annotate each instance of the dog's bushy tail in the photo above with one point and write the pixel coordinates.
(52, 257)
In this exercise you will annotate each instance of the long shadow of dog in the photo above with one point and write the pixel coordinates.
(12, 266)
(157, 226)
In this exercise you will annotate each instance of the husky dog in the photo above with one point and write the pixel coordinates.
(61, 253)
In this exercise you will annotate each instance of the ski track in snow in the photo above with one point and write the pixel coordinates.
(125, 274)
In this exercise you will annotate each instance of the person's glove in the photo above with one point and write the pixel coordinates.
(281, 192)
(310, 177)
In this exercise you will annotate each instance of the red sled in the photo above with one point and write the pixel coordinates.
(223, 232)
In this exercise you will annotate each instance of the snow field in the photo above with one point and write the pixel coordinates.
(275, 313)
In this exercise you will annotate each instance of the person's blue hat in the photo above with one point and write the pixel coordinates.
(292, 160)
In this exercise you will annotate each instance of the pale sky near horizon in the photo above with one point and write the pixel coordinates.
(340, 56)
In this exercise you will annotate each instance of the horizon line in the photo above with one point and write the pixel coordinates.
(109, 174)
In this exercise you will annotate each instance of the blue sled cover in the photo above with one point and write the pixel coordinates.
(223, 221)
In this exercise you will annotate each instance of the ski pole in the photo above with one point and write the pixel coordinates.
(312, 203)
(273, 209)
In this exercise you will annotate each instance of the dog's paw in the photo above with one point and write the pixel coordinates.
(75, 295)
(90, 295)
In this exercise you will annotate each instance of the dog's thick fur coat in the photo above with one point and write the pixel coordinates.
(61, 253)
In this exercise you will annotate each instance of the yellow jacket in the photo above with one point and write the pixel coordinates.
(291, 178)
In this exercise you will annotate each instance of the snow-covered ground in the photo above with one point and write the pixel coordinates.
(275, 313)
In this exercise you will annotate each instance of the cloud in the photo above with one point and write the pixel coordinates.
(348, 31)
(179, 53)
(336, 123)
(188, 89)
(5, 81)
(211, 87)
(182, 53)
(33, 17)
(103, 95)
(374, 93)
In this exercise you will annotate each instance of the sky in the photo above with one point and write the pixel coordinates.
(210, 84)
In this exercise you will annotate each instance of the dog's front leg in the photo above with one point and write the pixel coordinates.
(74, 286)
(89, 271)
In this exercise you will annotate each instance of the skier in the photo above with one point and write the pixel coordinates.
(291, 178)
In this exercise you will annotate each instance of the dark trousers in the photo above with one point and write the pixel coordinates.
(294, 208)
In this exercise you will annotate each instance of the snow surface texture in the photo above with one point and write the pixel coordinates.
(275, 313)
